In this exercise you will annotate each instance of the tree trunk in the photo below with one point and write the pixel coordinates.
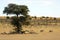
(19, 27)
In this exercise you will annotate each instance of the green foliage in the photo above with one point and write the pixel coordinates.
(54, 18)
(15, 21)
(22, 19)
(35, 17)
(43, 16)
(16, 9)
(19, 22)
(7, 17)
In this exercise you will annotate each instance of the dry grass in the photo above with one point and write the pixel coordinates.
(45, 35)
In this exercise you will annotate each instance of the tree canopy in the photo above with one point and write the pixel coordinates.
(16, 9)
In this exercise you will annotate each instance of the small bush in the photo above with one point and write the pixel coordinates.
(50, 31)
(41, 30)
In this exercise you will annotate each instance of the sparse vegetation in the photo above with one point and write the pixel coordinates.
(41, 30)
(50, 31)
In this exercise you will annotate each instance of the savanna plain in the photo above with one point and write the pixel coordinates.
(43, 32)
(45, 35)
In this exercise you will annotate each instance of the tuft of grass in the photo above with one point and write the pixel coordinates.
(41, 30)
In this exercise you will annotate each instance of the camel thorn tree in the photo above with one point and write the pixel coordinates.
(18, 10)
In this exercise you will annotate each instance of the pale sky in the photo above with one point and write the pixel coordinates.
(38, 8)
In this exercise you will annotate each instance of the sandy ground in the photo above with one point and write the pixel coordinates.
(45, 35)
(40, 36)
